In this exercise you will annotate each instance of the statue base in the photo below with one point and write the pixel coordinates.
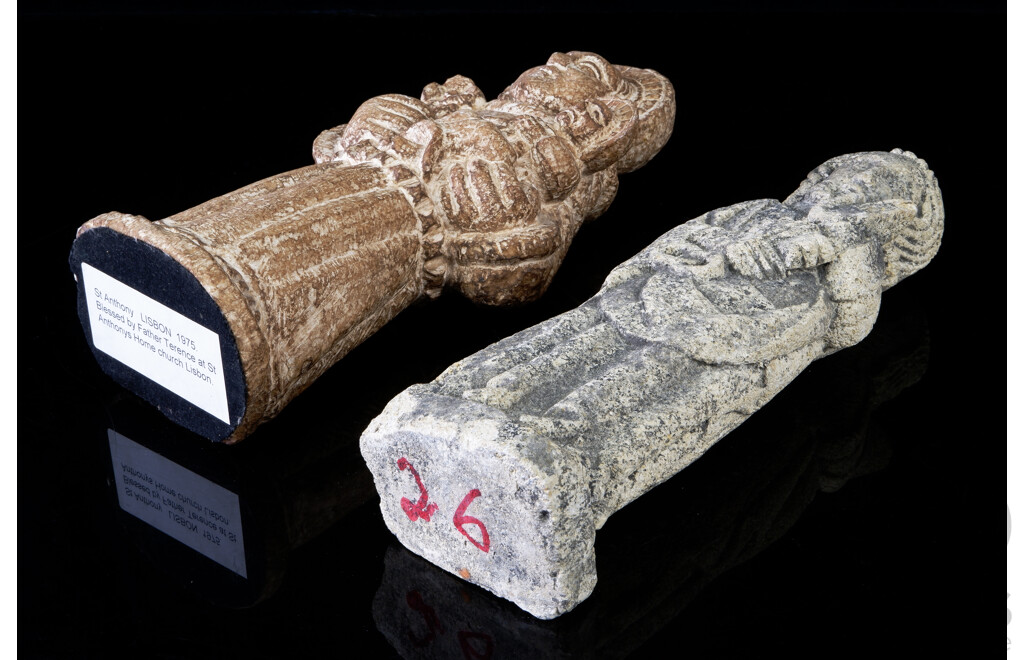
(157, 331)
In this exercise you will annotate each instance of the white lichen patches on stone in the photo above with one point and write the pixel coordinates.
(563, 424)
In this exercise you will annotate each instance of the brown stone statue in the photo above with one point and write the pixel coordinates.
(410, 196)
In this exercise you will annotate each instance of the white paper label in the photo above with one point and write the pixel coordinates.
(158, 342)
(178, 502)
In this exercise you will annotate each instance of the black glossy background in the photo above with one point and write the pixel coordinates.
(152, 113)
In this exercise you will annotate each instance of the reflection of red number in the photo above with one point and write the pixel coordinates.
(420, 509)
(461, 519)
(474, 645)
(415, 601)
(468, 651)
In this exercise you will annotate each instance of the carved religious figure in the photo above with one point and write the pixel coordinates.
(562, 424)
(410, 196)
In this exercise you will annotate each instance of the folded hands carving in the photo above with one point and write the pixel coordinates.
(501, 187)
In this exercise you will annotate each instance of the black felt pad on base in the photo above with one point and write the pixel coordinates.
(158, 276)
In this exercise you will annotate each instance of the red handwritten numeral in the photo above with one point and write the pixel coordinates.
(415, 601)
(461, 519)
(421, 509)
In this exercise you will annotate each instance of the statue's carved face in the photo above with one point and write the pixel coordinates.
(581, 90)
(894, 195)
(567, 80)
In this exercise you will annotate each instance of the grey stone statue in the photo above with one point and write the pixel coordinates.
(501, 470)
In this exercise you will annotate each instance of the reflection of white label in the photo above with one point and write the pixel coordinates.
(178, 502)
(158, 342)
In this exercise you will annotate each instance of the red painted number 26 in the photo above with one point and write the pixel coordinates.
(424, 509)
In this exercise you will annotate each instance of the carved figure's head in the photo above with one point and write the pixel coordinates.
(617, 115)
(567, 80)
(893, 193)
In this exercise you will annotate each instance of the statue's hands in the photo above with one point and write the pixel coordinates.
(800, 245)
(805, 250)
(471, 169)
(479, 194)
(500, 247)
(756, 258)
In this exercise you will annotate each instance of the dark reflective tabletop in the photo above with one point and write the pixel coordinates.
(845, 517)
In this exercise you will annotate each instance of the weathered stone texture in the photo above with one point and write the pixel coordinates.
(549, 432)
(410, 196)
(819, 433)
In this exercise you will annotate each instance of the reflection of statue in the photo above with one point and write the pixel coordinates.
(279, 493)
(576, 417)
(408, 197)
